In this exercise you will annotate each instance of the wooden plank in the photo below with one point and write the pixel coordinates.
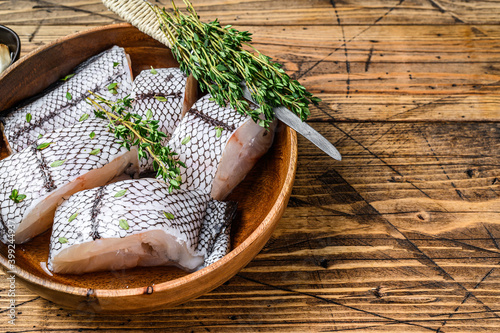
(264, 13)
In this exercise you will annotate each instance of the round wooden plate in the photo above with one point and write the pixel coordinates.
(262, 196)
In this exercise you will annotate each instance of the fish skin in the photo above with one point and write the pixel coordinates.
(203, 151)
(30, 173)
(169, 83)
(214, 241)
(53, 110)
(197, 222)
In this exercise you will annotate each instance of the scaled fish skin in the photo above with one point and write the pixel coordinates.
(31, 174)
(56, 109)
(137, 223)
(163, 94)
(219, 147)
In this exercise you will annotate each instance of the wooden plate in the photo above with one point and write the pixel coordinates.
(262, 196)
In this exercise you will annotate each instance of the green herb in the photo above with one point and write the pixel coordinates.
(186, 140)
(68, 96)
(63, 240)
(169, 216)
(123, 224)
(132, 129)
(16, 197)
(40, 136)
(161, 98)
(112, 88)
(43, 145)
(95, 151)
(218, 131)
(115, 64)
(218, 58)
(84, 117)
(153, 71)
(92, 135)
(149, 114)
(72, 217)
(120, 193)
(28, 117)
(67, 77)
(57, 163)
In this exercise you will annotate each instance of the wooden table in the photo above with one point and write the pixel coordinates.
(399, 236)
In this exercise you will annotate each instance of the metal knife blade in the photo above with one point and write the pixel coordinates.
(290, 119)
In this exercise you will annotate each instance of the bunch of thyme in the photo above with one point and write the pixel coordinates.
(134, 130)
(216, 58)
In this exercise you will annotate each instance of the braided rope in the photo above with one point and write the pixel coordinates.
(139, 14)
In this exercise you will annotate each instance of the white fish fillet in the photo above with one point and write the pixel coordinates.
(113, 231)
(31, 174)
(56, 109)
(162, 92)
(219, 147)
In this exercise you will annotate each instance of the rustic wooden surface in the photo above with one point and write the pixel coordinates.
(403, 234)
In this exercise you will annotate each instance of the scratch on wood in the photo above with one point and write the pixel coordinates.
(32, 35)
(394, 320)
(367, 63)
(347, 63)
(47, 4)
(350, 40)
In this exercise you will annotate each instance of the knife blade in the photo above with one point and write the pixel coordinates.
(290, 119)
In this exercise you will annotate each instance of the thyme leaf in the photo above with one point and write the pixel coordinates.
(57, 163)
(43, 145)
(123, 224)
(16, 197)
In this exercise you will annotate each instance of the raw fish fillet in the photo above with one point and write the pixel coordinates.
(128, 224)
(30, 173)
(219, 147)
(163, 94)
(54, 109)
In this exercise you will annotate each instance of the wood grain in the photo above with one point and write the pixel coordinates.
(403, 234)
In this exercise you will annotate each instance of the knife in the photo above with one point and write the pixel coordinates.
(291, 120)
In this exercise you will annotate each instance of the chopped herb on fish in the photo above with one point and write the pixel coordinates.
(95, 151)
(43, 145)
(63, 240)
(68, 96)
(123, 224)
(84, 117)
(72, 217)
(40, 136)
(67, 77)
(218, 131)
(115, 64)
(92, 135)
(112, 88)
(161, 98)
(153, 71)
(120, 193)
(186, 140)
(28, 117)
(57, 163)
(149, 114)
(133, 130)
(169, 216)
(16, 197)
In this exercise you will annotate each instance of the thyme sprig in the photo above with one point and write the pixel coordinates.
(134, 130)
(216, 57)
